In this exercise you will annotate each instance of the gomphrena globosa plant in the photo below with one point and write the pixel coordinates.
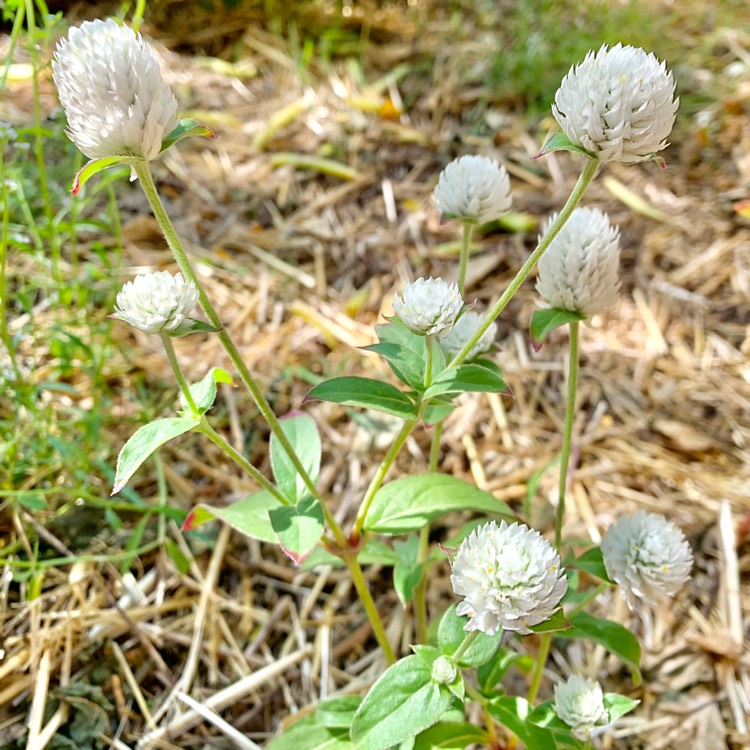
(510, 582)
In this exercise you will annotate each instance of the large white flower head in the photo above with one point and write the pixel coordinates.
(156, 302)
(473, 189)
(579, 702)
(579, 270)
(648, 556)
(618, 104)
(466, 326)
(429, 307)
(511, 578)
(111, 89)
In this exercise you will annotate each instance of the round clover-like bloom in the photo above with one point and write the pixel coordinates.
(466, 326)
(473, 189)
(510, 577)
(579, 270)
(429, 307)
(156, 302)
(111, 89)
(618, 104)
(579, 702)
(648, 556)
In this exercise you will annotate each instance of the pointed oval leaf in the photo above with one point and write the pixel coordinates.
(94, 167)
(204, 391)
(545, 321)
(451, 634)
(405, 363)
(310, 734)
(618, 705)
(472, 378)
(448, 736)
(365, 392)
(410, 503)
(144, 442)
(186, 128)
(407, 572)
(513, 712)
(401, 704)
(302, 433)
(298, 527)
(592, 562)
(561, 142)
(490, 674)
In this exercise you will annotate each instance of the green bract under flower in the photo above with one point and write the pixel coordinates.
(429, 307)
(156, 302)
(111, 89)
(510, 577)
(579, 702)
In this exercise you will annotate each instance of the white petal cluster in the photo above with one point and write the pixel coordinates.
(618, 103)
(510, 577)
(429, 307)
(155, 302)
(648, 556)
(111, 89)
(579, 270)
(466, 326)
(579, 702)
(474, 189)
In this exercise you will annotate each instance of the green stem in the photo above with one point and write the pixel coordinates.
(541, 661)
(4, 331)
(464, 646)
(574, 199)
(463, 260)
(178, 374)
(429, 343)
(380, 475)
(358, 579)
(570, 410)
(170, 234)
(591, 594)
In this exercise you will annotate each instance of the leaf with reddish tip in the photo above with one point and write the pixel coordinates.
(94, 167)
(197, 517)
(186, 128)
(298, 528)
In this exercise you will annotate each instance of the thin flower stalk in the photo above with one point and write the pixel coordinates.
(178, 374)
(463, 261)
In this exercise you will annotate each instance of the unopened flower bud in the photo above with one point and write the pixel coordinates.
(579, 702)
(580, 269)
(648, 556)
(429, 307)
(156, 302)
(112, 91)
(473, 189)
(444, 671)
(618, 104)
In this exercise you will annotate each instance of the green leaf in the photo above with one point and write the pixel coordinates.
(204, 391)
(410, 503)
(408, 360)
(449, 736)
(407, 572)
(467, 379)
(337, 713)
(144, 442)
(249, 516)
(186, 128)
(308, 734)
(545, 321)
(513, 713)
(401, 704)
(365, 392)
(94, 167)
(491, 673)
(180, 560)
(614, 637)
(191, 325)
(555, 623)
(298, 527)
(592, 562)
(302, 433)
(618, 705)
(451, 634)
(544, 716)
(561, 142)
(406, 365)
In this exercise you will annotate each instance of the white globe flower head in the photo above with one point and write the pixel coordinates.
(579, 702)
(112, 91)
(580, 269)
(466, 326)
(473, 189)
(648, 556)
(618, 104)
(510, 577)
(429, 307)
(157, 302)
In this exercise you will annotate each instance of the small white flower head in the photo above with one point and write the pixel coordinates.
(579, 702)
(156, 302)
(111, 89)
(580, 269)
(618, 104)
(473, 189)
(429, 307)
(466, 326)
(444, 671)
(511, 578)
(648, 556)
